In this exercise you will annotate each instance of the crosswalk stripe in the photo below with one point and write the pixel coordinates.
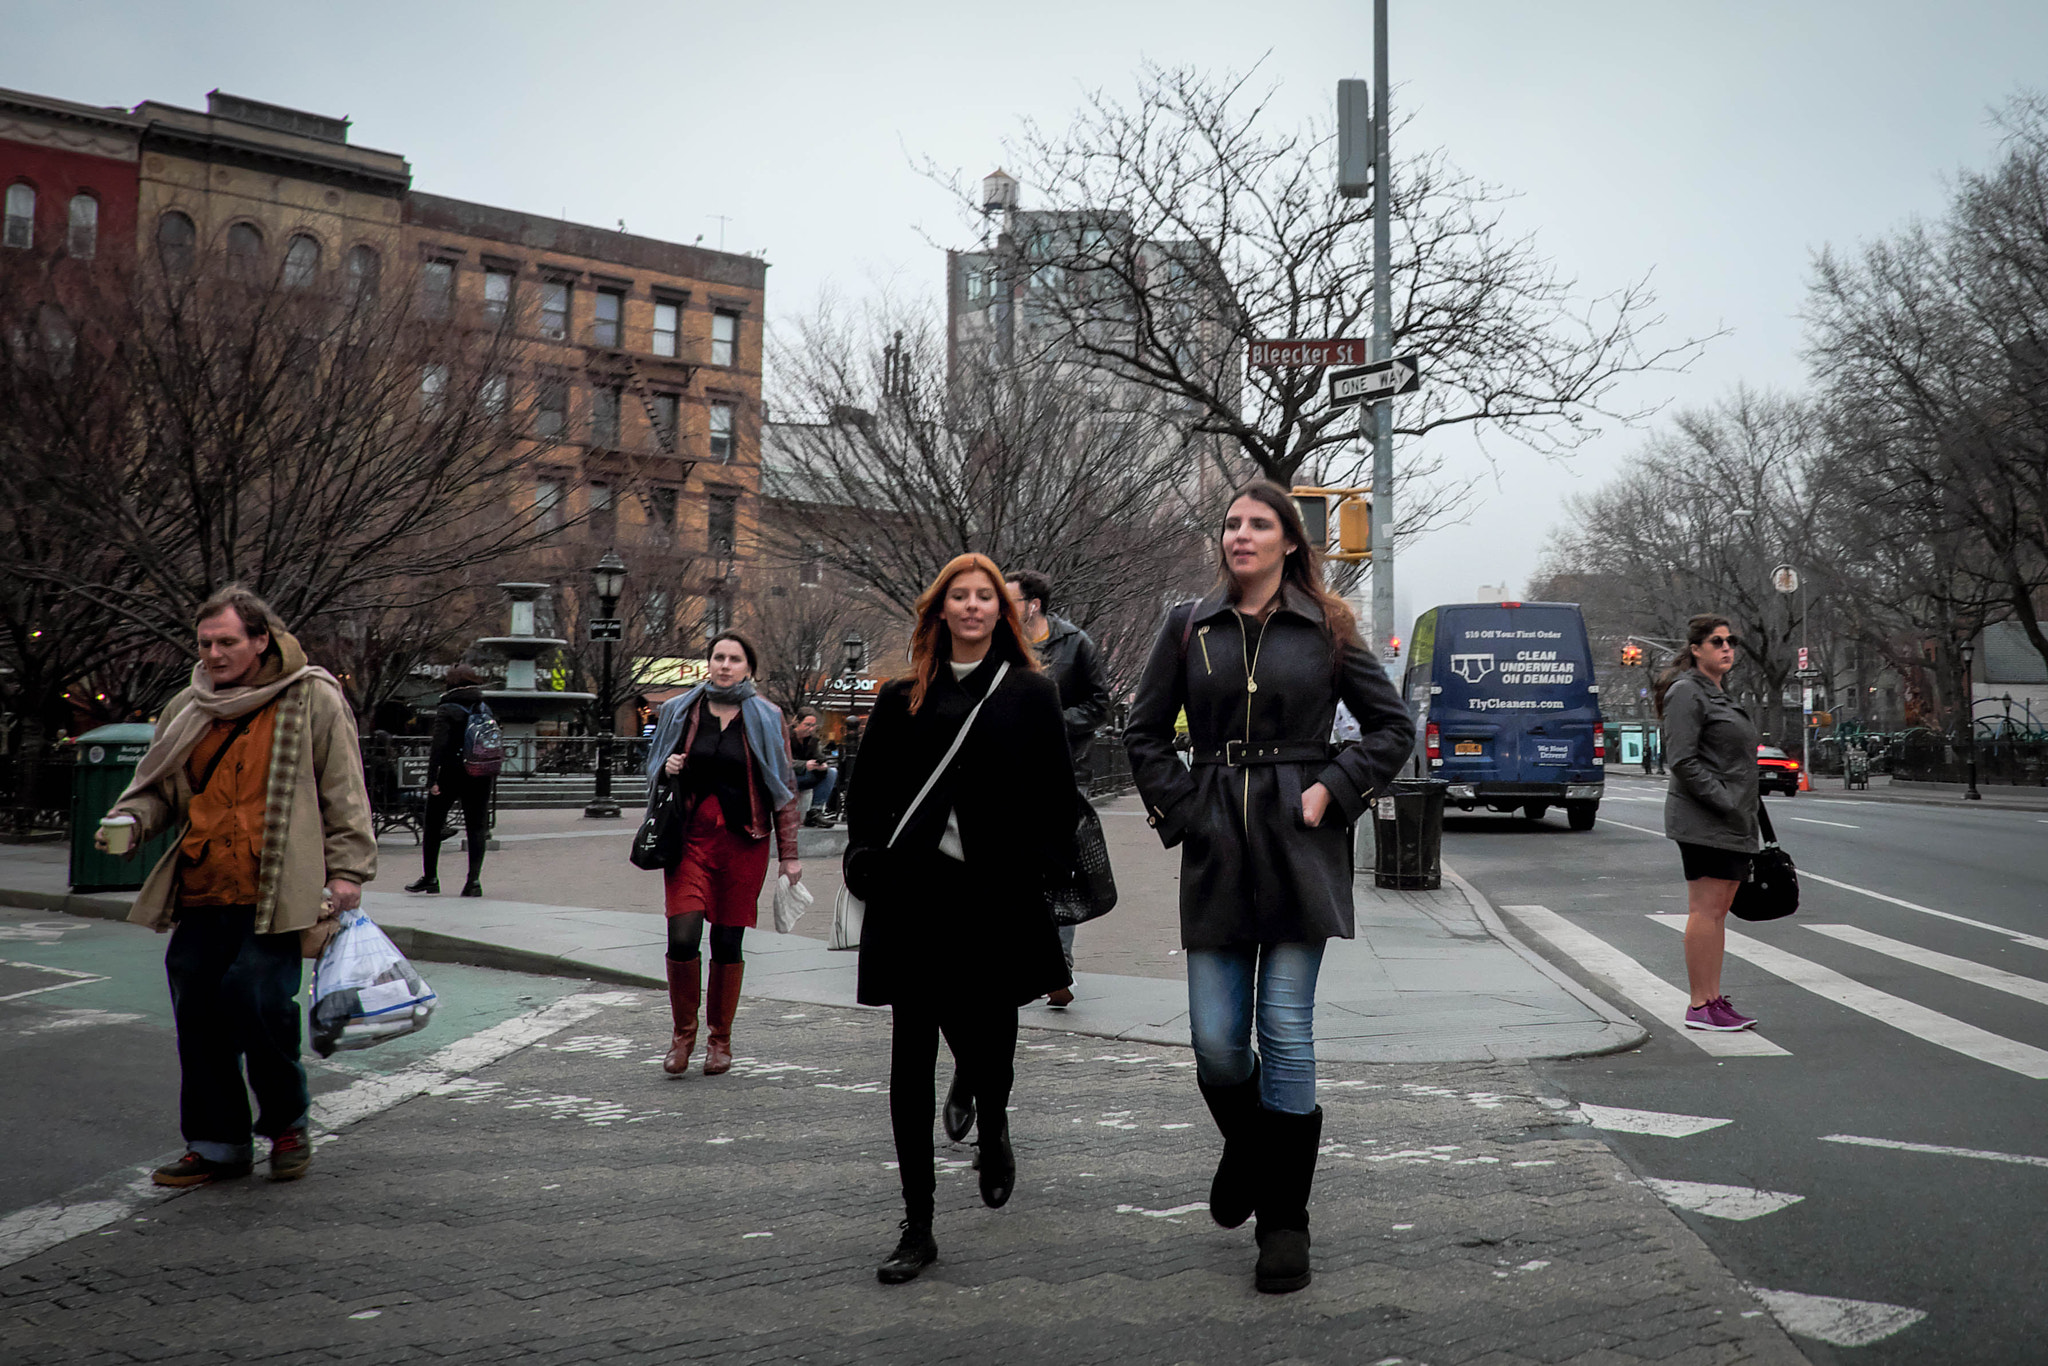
(1720, 1202)
(1938, 1150)
(1932, 1026)
(1655, 1123)
(1837, 1322)
(1998, 980)
(1650, 992)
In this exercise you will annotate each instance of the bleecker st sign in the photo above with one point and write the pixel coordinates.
(1275, 355)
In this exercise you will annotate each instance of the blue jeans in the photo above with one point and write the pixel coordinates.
(819, 782)
(1220, 1015)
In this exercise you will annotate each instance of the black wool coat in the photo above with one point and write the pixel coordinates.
(940, 931)
(451, 723)
(1251, 870)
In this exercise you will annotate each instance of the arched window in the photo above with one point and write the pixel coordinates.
(245, 251)
(301, 262)
(59, 339)
(174, 239)
(84, 240)
(364, 270)
(20, 230)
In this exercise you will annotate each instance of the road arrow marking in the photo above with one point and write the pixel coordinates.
(1837, 1322)
(1720, 1202)
(1936, 1149)
(1943, 1031)
(1655, 1123)
(1998, 980)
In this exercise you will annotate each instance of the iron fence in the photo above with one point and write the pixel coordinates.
(1929, 758)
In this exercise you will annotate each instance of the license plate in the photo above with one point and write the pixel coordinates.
(1469, 747)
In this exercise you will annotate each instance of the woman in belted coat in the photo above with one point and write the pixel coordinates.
(958, 931)
(1262, 817)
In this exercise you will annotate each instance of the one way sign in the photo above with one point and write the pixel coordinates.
(1371, 383)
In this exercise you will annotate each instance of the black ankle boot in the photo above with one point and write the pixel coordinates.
(998, 1166)
(915, 1251)
(1288, 1170)
(1234, 1190)
(430, 886)
(959, 1112)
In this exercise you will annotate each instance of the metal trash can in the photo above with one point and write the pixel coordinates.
(106, 760)
(1408, 835)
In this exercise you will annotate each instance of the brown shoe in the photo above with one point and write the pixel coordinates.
(291, 1152)
(194, 1170)
(685, 985)
(724, 999)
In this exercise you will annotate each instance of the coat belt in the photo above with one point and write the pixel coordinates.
(1239, 753)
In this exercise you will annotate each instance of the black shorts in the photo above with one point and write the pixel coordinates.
(1704, 860)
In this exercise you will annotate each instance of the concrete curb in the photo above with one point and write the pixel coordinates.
(1634, 1030)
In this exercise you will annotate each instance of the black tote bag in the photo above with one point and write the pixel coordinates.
(658, 845)
(1771, 891)
(1089, 888)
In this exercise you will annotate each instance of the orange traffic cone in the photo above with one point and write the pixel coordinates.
(1804, 786)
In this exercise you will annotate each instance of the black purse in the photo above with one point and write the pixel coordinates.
(1771, 891)
(1088, 891)
(658, 845)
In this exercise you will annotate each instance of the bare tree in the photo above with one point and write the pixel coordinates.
(1181, 226)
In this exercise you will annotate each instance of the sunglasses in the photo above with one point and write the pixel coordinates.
(1718, 641)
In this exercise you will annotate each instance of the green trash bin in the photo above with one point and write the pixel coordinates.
(106, 760)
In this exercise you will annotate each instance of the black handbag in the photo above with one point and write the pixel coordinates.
(1771, 891)
(658, 845)
(1088, 890)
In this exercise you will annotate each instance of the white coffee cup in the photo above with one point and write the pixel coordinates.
(118, 834)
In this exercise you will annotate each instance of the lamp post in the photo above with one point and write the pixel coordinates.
(608, 576)
(1970, 793)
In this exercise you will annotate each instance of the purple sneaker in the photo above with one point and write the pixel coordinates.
(1731, 1018)
(1711, 1016)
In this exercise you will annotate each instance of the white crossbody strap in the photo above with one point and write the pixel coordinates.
(951, 750)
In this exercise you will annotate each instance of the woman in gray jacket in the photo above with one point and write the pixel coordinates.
(1710, 748)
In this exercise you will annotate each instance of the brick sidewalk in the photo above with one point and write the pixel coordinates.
(572, 1204)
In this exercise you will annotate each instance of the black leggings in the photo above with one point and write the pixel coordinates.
(984, 1043)
(475, 797)
(686, 937)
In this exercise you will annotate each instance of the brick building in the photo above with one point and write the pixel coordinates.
(68, 178)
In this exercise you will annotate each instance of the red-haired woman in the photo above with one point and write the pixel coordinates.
(958, 934)
(728, 747)
(1261, 817)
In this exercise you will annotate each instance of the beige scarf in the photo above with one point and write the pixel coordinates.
(209, 705)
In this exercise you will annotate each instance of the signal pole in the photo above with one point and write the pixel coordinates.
(1381, 414)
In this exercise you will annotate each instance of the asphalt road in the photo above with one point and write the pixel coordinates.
(1922, 1024)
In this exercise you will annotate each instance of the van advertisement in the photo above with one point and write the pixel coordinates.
(1492, 660)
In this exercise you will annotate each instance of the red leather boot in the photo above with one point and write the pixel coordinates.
(685, 986)
(724, 1000)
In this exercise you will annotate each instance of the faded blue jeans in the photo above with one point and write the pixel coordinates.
(1277, 984)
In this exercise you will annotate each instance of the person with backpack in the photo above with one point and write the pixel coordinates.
(1263, 817)
(462, 764)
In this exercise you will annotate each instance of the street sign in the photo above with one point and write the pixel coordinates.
(1371, 383)
(1806, 673)
(1802, 658)
(607, 628)
(1785, 579)
(1280, 355)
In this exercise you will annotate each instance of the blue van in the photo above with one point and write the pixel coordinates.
(1506, 709)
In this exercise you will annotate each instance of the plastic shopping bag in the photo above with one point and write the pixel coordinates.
(364, 990)
(792, 899)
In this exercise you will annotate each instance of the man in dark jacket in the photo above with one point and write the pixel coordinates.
(1070, 658)
(449, 782)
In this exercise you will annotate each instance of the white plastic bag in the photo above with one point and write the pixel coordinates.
(847, 913)
(792, 899)
(364, 990)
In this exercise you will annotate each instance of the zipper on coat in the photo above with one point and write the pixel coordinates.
(1203, 634)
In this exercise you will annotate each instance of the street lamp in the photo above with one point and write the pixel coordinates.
(608, 576)
(855, 654)
(1970, 794)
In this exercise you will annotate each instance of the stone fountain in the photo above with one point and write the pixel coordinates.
(519, 706)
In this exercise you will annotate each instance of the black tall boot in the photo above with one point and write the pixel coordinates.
(1233, 1191)
(1290, 1143)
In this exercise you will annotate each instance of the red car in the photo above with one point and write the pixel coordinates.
(1776, 768)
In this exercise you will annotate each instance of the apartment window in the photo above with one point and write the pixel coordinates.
(554, 309)
(721, 433)
(717, 613)
(60, 339)
(604, 514)
(433, 387)
(725, 337)
(364, 268)
(84, 241)
(668, 326)
(20, 228)
(551, 409)
(811, 569)
(437, 288)
(666, 408)
(657, 612)
(245, 251)
(604, 328)
(497, 295)
(301, 262)
(663, 507)
(174, 238)
(723, 522)
(604, 417)
(496, 395)
(547, 504)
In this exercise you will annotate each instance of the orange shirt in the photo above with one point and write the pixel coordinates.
(223, 846)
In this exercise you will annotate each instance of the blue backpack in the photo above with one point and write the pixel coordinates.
(483, 745)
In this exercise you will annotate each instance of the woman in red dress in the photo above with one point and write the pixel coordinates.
(728, 749)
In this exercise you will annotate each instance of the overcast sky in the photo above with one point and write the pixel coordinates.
(1716, 144)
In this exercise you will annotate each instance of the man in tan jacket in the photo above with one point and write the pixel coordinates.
(256, 765)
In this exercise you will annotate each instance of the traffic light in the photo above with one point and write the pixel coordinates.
(1631, 655)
